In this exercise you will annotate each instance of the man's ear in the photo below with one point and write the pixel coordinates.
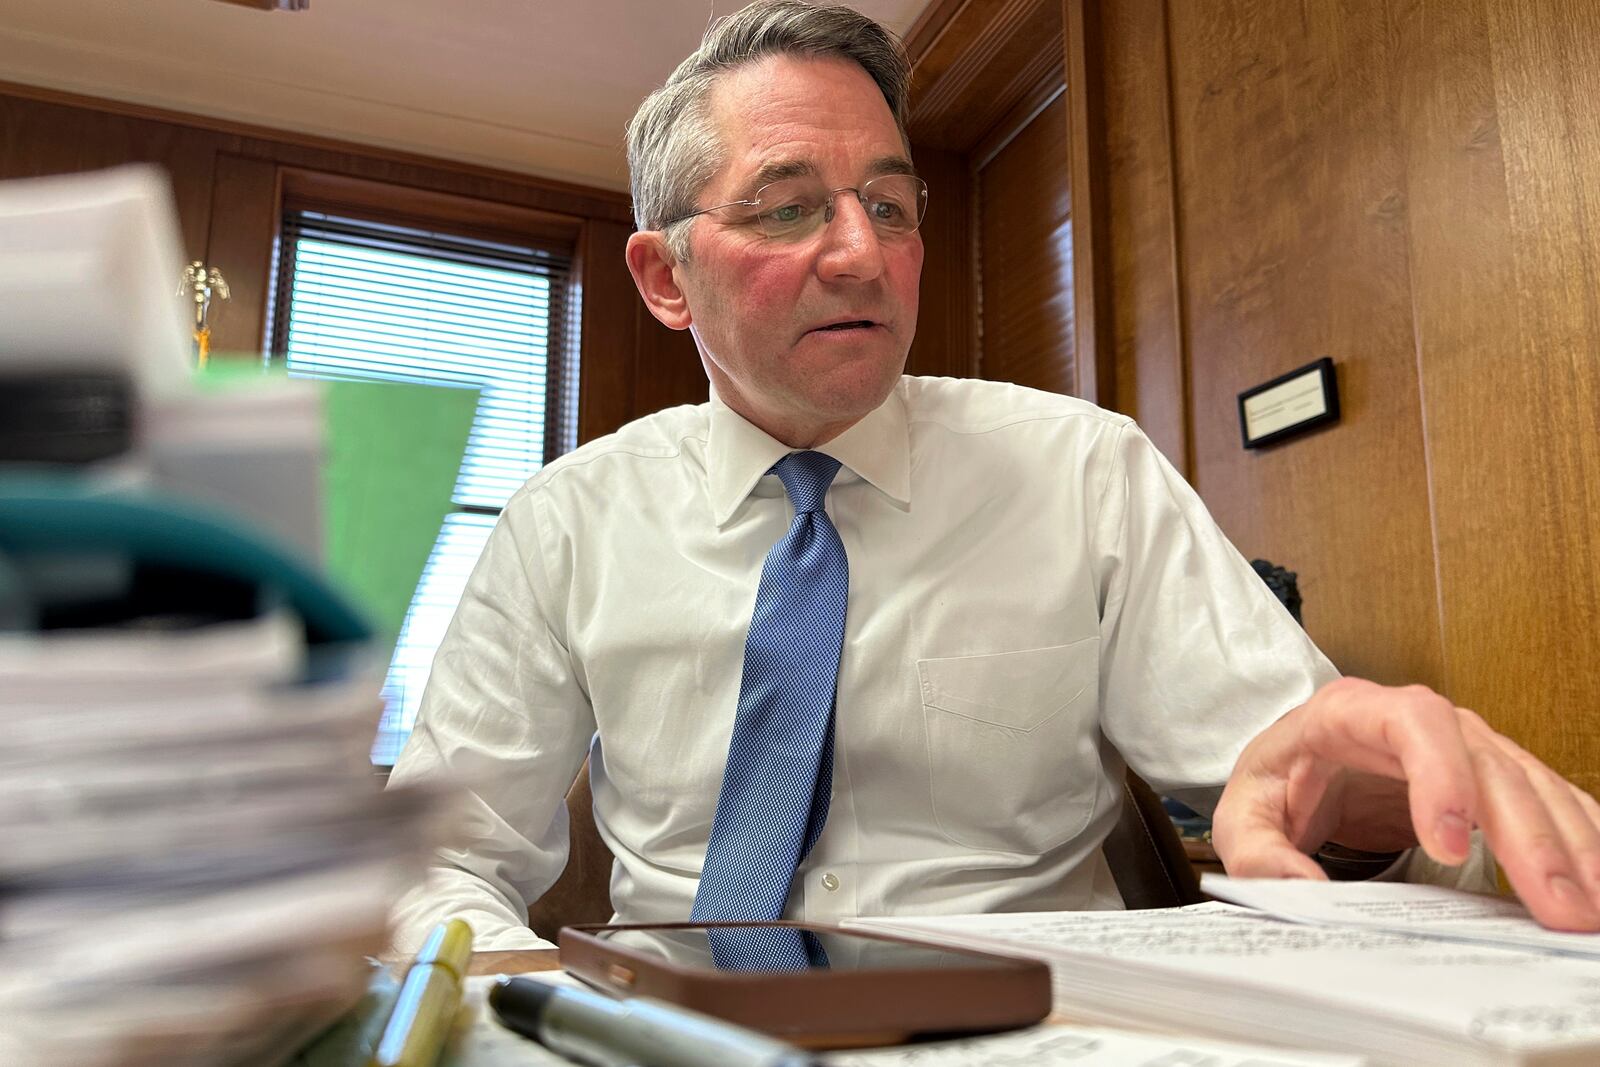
(651, 263)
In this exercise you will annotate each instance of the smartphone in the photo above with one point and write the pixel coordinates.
(855, 989)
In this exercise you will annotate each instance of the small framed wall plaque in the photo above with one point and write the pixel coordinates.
(1289, 404)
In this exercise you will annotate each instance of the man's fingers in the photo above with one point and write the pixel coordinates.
(1260, 851)
(1413, 734)
(1281, 862)
(1457, 772)
(1590, 806)
(1250, 836)
(1523, 832)
(1577, 824)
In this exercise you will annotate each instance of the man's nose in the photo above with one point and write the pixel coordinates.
(850, 247)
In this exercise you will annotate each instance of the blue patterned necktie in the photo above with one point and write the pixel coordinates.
(779, 774)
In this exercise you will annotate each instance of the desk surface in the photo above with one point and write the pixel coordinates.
(517, 962)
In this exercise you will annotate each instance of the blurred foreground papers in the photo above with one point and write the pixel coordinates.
(88, 268)
(195, 855)
(191, 863)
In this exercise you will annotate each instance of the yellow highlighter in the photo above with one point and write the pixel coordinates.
(429, 997)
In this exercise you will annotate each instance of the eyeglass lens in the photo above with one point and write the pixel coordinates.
(798, 207)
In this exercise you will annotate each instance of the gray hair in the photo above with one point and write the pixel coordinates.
(673, 146)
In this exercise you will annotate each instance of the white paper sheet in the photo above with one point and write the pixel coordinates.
(89, 268)
(1083, 1046)
(1424, 910)
(1222, 970)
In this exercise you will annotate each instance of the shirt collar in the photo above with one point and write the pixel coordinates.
(877, 449)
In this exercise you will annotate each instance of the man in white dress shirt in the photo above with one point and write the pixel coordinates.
(1036, 599)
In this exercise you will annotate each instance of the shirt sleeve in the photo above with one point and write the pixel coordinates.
(1197, 655)
(505, 721)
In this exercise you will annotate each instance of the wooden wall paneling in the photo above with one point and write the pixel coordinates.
(425, 208)
(984, 57)
(324, 153)
(606, 362)
(946, 340)
(1292, 203)
(243, 238)
(439, 176)
(667, 369)
(44, 132)
(929, 28)
(1503, 169)
(1051, 84)
(1144, 334)
(1025, 241)
(43, 138)
(985, 72)
(1095, 372)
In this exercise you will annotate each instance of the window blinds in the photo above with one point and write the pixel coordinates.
(372, 301)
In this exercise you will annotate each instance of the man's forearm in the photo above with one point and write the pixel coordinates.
(451, 893)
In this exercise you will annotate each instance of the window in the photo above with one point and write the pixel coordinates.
(363, 300)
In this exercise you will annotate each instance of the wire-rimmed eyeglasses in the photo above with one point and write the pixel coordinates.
(797, 208)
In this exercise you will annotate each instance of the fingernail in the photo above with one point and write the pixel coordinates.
(1455, 833)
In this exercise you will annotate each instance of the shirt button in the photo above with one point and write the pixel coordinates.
(830, 881)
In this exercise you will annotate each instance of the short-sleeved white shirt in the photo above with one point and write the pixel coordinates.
(1036, 597)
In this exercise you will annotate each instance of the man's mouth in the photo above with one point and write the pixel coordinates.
(853, 324)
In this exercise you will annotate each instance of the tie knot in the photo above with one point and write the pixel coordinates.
(806, 475)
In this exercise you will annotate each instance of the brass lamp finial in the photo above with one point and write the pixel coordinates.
(203, 283)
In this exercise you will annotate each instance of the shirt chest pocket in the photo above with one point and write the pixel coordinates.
(1013, 754)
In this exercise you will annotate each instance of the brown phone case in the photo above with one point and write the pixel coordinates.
(822, 1008)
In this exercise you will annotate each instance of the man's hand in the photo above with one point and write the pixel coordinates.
(1378, 768)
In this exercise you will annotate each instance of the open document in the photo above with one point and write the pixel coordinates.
(1083, 1046)
(1218, 969)
(1423, 910)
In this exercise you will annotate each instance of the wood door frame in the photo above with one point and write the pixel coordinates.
(982, 70)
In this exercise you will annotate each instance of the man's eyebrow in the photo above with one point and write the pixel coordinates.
(890, 165)
(784, 169)
(777, 171)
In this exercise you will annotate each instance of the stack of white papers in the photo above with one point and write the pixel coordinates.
(89, 271)
(254, 450)
(1435, 991)
(88, 278)
(195, 855)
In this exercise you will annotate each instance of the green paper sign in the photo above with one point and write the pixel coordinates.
(392, 454)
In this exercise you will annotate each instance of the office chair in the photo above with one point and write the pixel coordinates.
(1145, 854)
(1143, 850)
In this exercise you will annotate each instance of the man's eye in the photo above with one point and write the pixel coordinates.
(788, 213)
(886, 210)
